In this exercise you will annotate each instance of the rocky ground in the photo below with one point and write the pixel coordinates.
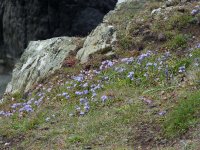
(145, 95)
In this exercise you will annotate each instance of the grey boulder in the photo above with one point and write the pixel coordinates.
(40, 59)
(104, 36)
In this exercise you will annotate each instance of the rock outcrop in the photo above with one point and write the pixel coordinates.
(40, 59)
(103, 37)
(22, 21)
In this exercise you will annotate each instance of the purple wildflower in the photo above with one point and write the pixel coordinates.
(147, 101)
(85, 85)
(41, 94)
(127, 60)
(64, 94)
(27, 108)
(105, 78)
(78, 78)
(78, 93)
(86, 107)
(149, 64)
(95, 87)
(96, 72)
(85, 92)
(143, 56)
(14, 106)
(167, 54)
(30, 101)
(94, 95)
(104, 98)
(162, 113)
(82, 113)
(8, 114)
(167, 73)
(83, 100)
(194, 12)
(120, 69)
(38, 101)
(106, 64)
(181, 69)
(131, 75)
(2, 113)
(198, 45)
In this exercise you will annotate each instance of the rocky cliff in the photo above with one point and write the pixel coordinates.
(22, 21)
(43, 57)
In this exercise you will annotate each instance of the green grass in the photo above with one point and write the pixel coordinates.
(184, 116)
(122, 116)
(107, 124)
(177, 42)
(179, 21)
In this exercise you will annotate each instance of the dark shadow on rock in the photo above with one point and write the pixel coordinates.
(22, 21)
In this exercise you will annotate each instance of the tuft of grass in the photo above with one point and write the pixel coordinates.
(75, 139)
(179, 21)
(179, 41)
(183, 116)
(15, 125)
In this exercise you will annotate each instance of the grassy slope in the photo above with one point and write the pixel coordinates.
(144, 113)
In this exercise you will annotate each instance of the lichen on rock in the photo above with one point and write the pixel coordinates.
(39, 60)
(101, 38)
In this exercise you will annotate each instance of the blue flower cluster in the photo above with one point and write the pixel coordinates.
(24, 107)
(196, 10)
(85, 86)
